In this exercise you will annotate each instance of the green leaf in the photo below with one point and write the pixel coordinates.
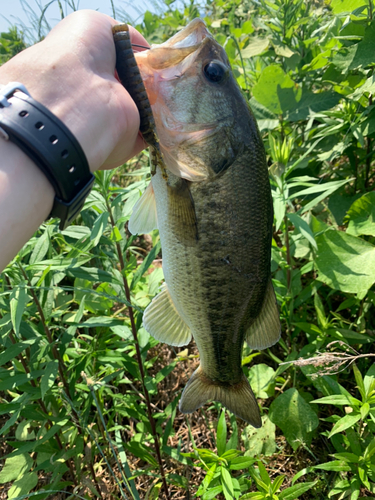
(312, 103)
(253, 496)
(282, 50)
(145, 264)
(207, 480)
(59, 263)
(14, 350)
(260, 441)
(279, 205)
(277, 482)
(23, 485)
(96, 300)
(339, 203)
(221, 436)
(116, 235)
(91, 274)
(226, 481)
(239, 463)
(367, 87)
(140, 451)
(232, 443)
(98, 321)
(262, 380)
(247, 27)
(256, 47)
(338, 399)
(296, 491)
(18, 301)
(99, 227)
(302, 226)
(23, 431)
(11, 421)
(264, 474)
(265, 118)
(327, 191)
(41, 248)
(276, 90)
(344, 262)
(359, 380)
(347, 457)
(344, 423)
(354, 441)
(340, 6)
(15, 467)
(213, 492)
(364, 410)
(358, 55)
(295, 417)
(369, 378)
(361, 216)
(334, 465)
(49, 376)
(76, 232)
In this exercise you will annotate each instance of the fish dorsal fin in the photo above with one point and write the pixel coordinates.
(238, 398)
(144, 217)
(163, 322)
(266, 329)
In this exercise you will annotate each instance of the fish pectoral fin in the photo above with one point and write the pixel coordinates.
(181, 212)
(144, 217)
(163, 322)
(265, 330)
(238, 398)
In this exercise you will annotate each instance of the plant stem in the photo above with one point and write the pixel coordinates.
(139, 358)
(288, 259)
(55, 351)
(368, 151)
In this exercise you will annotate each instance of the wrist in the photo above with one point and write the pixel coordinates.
(26, 199)
(50, 145)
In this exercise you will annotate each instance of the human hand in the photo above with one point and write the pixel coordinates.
(72, 72)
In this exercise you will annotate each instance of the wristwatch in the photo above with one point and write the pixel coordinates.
(50, 144)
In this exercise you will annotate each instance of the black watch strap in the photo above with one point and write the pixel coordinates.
(50, 144)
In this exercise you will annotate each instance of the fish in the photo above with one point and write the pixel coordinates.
(214, 214)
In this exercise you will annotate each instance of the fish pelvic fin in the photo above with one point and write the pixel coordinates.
(144, 217)
(163, 322)
(238, 398)
(266, 329)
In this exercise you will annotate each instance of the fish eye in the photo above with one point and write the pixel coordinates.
(215, 72)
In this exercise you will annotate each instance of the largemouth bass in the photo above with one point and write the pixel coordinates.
(214, 214)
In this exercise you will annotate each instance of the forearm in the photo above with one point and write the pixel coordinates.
(26, 199)
(72, 73)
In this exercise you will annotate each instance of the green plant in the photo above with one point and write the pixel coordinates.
(270, 490)
(219, 466)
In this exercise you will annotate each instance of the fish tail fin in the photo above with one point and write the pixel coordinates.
(238, 398)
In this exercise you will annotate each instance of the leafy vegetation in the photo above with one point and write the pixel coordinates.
(88, 400)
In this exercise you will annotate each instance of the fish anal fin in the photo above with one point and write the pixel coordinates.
(163, 322)
(238, 398)
(144, 217)
(181, 211)
(265, 330)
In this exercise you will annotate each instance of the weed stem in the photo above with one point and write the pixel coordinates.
(139, 358)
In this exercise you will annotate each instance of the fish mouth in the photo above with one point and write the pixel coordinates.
(191, 36)
(175, 52)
